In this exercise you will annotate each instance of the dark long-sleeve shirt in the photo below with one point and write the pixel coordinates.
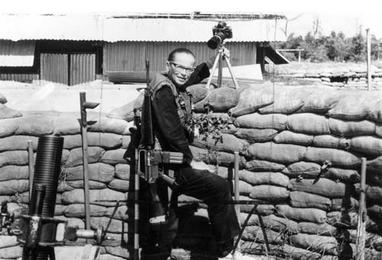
(171, 134)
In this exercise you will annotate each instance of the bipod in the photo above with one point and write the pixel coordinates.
(220, 57)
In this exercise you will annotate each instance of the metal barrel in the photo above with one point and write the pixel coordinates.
(46, 172)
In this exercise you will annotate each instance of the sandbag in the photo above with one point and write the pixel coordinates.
(378, 130)
(9, 126)
(93, 185)
(97, 172)
(367, 145)
(375, 113)
(269, 193)
(13, 252)
(316, 229)
(255, 120)
(126, 112)
(109, 125)
(308, 124)
(244, 188)
(256, 135)
(12, 187)
(227, 143)
(6, 112)
(78, 211)
(285, 101)
(336, 157)
(17, 142)
(272, 178)
(287, 137)
(114, 156)
(297, 253)
(280, 153)
(353, 106)
(304, 169)
(13, 172)
(272, 222)
(301, 214)
(96, 196)
(67, 124)
(198, 92)
(300, 199)
(323, 187)
(75, 156)
(35, 126)
(222, 99)
(351, 128)
(329, 141)
(320, 100)
(13, 158)
(343, 175)
(315, 243)
(344, 203)
(119, 185)
(261, 165)
(104, 140)
(251, 99)
(8, 241)
(255, 233)
(122, 171)
(115, 225)
(375, 165)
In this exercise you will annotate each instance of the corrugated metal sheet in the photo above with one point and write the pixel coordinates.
(54, 67)
(19, 77)
(130, 56)
(112, 29)
(17, 54)
(82, 68)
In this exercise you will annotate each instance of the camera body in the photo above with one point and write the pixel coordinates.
(220, 32)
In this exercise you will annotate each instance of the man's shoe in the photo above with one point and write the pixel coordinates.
(224, 248)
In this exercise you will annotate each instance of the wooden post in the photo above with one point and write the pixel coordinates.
(84, 126)
(236, 183)
(30, 167)
(361, 226)
(368, 44)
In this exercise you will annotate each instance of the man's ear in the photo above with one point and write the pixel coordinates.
(167, 66)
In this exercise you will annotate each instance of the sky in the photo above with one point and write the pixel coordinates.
(349, 16)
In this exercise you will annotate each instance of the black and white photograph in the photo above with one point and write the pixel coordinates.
(199, 130)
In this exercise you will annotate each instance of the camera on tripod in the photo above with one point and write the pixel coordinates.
(220, 32)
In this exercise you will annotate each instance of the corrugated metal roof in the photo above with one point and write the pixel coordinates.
(112, 29)
(17, 54)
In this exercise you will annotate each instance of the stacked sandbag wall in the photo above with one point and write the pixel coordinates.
(108, 172)
(300, 155)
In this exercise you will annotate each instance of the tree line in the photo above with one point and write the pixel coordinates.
(335, 47)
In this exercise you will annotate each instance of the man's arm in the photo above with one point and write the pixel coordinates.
(168, 121)
(201, 72)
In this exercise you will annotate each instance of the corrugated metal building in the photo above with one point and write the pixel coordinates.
(73, 49)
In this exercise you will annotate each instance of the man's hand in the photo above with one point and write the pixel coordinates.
(200, 165)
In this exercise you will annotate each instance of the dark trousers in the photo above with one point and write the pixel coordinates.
(216, 193)
(208, 187)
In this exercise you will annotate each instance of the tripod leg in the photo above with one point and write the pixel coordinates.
(230, 71)
(213, 71)
(220, 71)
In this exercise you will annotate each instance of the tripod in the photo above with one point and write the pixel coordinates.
(220, 57)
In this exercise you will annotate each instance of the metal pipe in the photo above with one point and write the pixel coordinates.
(136, 208)
(368, 44)
(361, 225)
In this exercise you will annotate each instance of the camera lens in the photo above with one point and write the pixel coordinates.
(214, 42)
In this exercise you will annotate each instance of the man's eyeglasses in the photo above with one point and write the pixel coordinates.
(180, 68)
